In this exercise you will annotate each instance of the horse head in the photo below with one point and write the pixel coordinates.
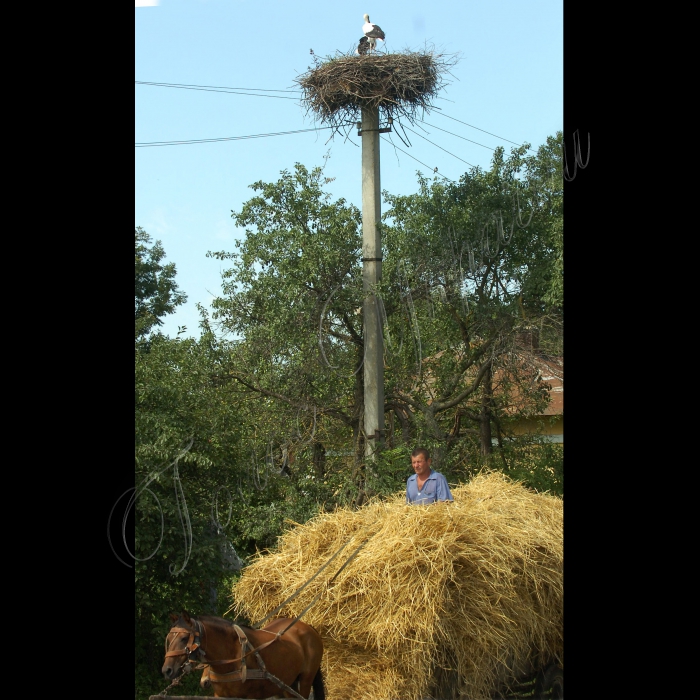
(181, 642)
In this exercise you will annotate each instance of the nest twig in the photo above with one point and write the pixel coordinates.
(402, 84)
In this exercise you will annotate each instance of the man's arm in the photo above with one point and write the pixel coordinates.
(443, 490)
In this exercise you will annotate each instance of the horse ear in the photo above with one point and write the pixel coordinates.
(186, 617)
(173, 617)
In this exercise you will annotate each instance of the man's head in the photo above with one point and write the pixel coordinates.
(420, 461)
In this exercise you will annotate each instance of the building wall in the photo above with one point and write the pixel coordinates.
(552, 427)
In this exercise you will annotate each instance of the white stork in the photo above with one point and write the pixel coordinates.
(362, 47)
(372, 32)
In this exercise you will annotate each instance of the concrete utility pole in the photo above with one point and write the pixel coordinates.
(371, 275)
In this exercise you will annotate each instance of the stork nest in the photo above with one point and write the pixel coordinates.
(402, 84)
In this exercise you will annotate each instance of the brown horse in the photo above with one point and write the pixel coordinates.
(239, 662)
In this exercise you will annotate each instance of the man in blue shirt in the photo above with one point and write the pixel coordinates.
(425, 486)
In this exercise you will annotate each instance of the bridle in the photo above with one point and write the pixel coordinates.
(193, 642)
(243, 673)
(195, 646)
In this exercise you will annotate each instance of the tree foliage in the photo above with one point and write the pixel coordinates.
(293, 295)
(260, 421)
(206, 491)
(470, 273)
(157, 293)
(185, 434)
(474, 271)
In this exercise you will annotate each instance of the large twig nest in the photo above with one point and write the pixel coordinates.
(337, 89)
(454, 598)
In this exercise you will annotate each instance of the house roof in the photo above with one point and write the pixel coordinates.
(545, 368)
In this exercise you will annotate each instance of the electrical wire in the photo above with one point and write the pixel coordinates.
(251, 91)
(145, 144)
(233, 91)
(478, 129)
(228, 91)
(432, 126)
(218, 87)
(440, 147)
(435, 170)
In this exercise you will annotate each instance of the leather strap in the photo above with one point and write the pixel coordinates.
(253, 674)
(192, 643)
(244, 651)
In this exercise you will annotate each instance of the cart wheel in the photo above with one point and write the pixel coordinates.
(550, 684)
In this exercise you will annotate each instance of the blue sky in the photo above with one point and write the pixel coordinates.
(509, 82)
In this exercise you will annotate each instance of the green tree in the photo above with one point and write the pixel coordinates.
(157, 293)
(475, 267)
(186, 437)
(259, 422)
(292, 295)
(204, 483)
(186, 440)
(458, 293)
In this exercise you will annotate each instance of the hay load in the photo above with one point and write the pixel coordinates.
(337, 89)
(449, 600)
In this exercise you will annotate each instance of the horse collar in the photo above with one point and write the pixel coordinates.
(241, 635)
(245, 646)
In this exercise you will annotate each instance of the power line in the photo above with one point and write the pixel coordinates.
(432, 126)
(224, 138)
(233, 91)
(218, 87)
(435, 170)
(478, 129)
(440, 147)
(227, 91)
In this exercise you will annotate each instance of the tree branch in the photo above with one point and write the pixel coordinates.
(439, 406)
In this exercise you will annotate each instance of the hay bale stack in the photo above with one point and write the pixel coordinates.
(453, 598)
(401, 83)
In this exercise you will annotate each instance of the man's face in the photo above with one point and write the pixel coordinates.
(421, 465)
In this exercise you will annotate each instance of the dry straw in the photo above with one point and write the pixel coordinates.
(448, 600)
(402, 84)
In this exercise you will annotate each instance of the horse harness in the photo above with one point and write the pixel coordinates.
(243, 673)
(193, 643)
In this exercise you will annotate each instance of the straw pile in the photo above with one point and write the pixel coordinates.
(401, 83)
(449, 600)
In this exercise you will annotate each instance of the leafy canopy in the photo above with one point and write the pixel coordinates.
(157, 293)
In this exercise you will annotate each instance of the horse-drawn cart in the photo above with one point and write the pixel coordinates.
(453, 601)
